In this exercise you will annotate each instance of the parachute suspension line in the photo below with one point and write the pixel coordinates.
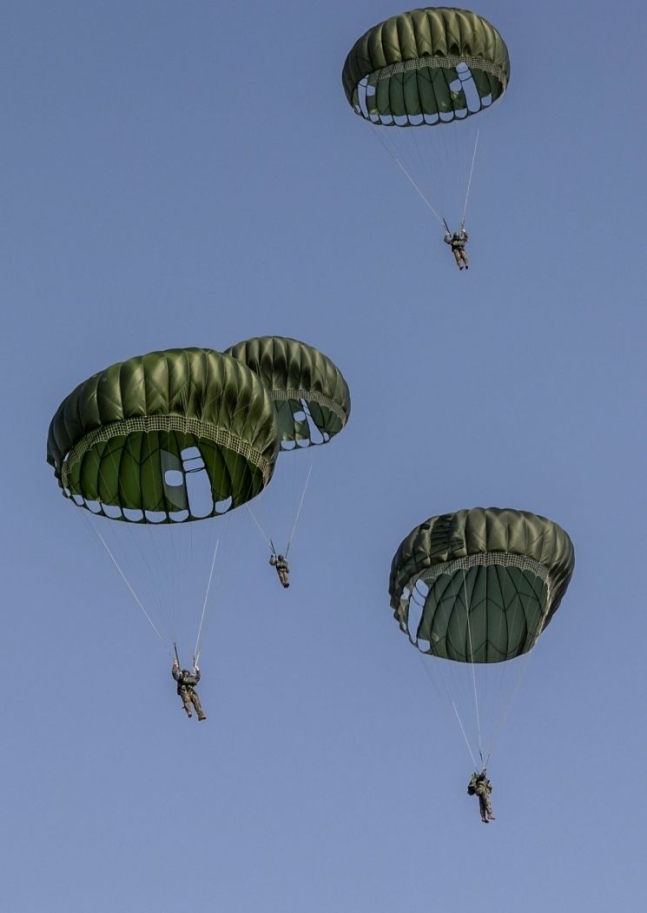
(448, 697)
(298, 514)
(261, 530)
(460, 723)
(469, 180)
(472, 665)
(411, 180)
(508, 707)
(445, 694)
(127, 582)
(198, 644)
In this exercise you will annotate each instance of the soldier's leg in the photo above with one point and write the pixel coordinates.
(186, 702)
(482, 807)
(198, 706)
(457, 257)
(488, 807)
(464, 259)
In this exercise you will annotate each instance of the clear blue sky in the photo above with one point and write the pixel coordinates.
(185, 172)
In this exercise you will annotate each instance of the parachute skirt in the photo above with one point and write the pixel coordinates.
(445, 606)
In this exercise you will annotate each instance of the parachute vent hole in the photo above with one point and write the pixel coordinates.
(421, 589)
(78, 500)
(299, 416)
(113, 512)
(192, 460)
(134, 515)
(414, 615)
(198, 489)
(223, 506)
(155, 516)
(179, 516)
(173, 478)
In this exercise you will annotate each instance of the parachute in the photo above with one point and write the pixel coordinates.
(157, 442)
(426, 69)
(310, 395)
(478, 587)
(312, 403)
(117, 442)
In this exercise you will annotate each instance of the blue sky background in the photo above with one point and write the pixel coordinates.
(189, 173)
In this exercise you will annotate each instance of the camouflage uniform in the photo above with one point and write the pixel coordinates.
(457, 242)
(480, 786)
(186, 683)
(282, 569)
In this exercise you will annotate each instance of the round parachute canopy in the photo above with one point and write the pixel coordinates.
(482, 583)
(311, 397)
(165, 437)
(428, 66)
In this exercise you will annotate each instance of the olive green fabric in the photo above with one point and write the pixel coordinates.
(410, 61)
(296, 373)
(489, 580)
(120, 439)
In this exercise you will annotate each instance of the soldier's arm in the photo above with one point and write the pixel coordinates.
(175, 671)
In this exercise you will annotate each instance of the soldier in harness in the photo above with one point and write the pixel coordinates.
(282, 569)
(457, 241)
(480, 786)
(186, 682)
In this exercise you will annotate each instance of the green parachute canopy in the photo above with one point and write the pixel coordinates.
(311, 397)
(425, 67)
(483, 583)
(133, 441)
